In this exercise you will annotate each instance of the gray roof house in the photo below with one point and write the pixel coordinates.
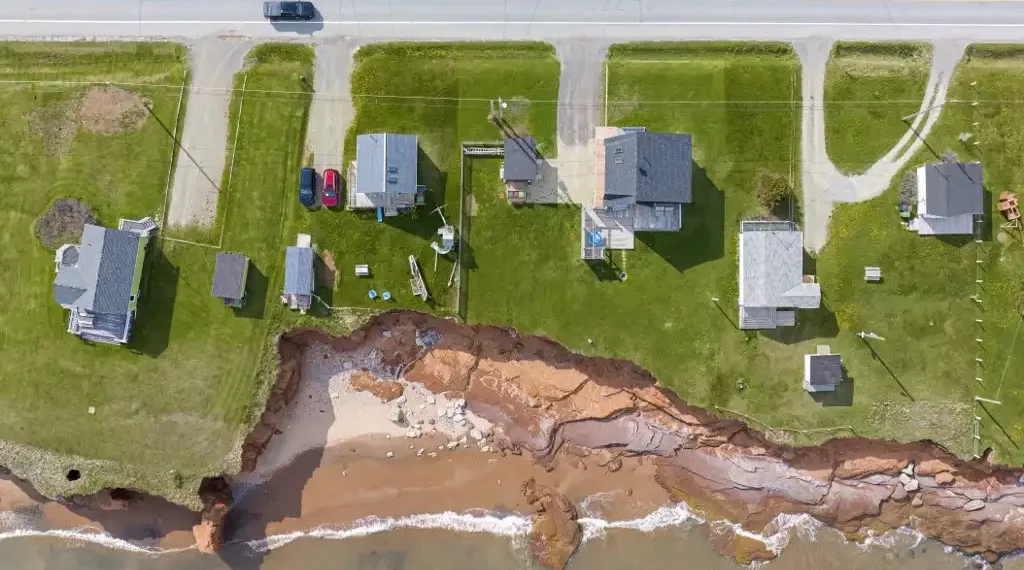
(298, 275)
(643, 180)
(823, 371)
(99, 279)
(772, 284)
(229, 275)
(521, 160)
(949, 195)
(384, 173)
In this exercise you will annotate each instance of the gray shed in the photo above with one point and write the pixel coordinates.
(822, 371)
(520, 159)
(298, 271)
(229, 276)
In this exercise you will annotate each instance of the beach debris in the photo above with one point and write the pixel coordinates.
(917, 501)
(334, 395)
(413, 434)
(450, 412)
(389, 454)
(904, 478)
(440, 447)
(463, 440)
(432, 454)
(441, 412)
(388, 436)
(911, 486)
(431, 400)
(92, 409)
(423, 406)
(614, 465)
(908, 470)
(396, 415)
(347, 365)
(400, 400)
(420, 452)
(476, 434)
(427, 337)
(385, 334)
(452, 445)
(974, 505)
(412, 447)
(344, 473)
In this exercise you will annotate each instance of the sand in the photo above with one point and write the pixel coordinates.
(327, 412)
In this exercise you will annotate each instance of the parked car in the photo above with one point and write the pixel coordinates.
(284, 11)
(329, 193)
(307, 186)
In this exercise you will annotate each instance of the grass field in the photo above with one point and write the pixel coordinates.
(923, 307)
(442, 93)
(171, 405)
(869, 88)
(736, 101)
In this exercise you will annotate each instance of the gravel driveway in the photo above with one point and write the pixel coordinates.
(204, 139)
(332, 110)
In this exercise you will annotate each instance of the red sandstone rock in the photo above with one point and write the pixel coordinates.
(555, 534)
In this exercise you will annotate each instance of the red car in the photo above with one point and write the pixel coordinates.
(329, 195)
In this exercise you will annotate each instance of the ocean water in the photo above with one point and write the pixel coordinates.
(668, 539)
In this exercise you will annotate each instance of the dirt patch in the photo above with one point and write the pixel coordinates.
(111, 110)
(386, 390)
(63, 223)
(56, 125)
(328, 270)
(105, 110)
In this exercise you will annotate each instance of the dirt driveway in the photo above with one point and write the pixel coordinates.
(204, 139)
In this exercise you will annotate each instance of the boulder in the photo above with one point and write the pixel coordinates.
(396, 415)
(554, 535)
(904, 478)
(944, 478)
(908, 470)
(911, 486)
(917, 501)
(974, 505)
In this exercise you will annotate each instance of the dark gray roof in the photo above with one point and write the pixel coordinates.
(953, 188)
(102, 279)
(298, 271)
(521, 158)
(229, 275)
(386, 163)
(649, 167)
(826, 370)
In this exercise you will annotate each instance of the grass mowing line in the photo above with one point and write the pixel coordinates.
(231, 167)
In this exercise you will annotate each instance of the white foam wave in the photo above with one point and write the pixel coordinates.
(677, 514)
(777, 534)
(91, 535)
(901, 537)
(510, 526)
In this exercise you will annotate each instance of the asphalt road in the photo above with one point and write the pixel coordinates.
(522, 19)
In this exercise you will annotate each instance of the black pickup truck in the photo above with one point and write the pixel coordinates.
(290, 11)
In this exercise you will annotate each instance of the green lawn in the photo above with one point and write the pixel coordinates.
(442, 93)
(177, 398)
(735, 99)
(923, 308)
(869, 88)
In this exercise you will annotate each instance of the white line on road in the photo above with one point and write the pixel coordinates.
(521, 23)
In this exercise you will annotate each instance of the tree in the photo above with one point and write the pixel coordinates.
(772, 190)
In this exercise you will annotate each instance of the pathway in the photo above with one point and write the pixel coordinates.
(204, 139)
(332, 109)
(823, 184)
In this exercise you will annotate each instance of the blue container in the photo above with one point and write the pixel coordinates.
(386, 296)
(373, 293)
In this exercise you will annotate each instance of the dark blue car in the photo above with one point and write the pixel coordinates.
(307, 186)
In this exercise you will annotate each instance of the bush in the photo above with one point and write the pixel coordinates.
(772, 190)
(63, 223)
(908, 187)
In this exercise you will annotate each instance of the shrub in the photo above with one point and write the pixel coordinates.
(772, 190)
(63, 222)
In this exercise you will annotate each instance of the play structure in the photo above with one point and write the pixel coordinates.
(1009, 209)
(447, 233)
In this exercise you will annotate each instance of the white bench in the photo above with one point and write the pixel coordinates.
(873, 274)
(362, 270)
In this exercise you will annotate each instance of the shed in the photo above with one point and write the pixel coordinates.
(298, 275)
(823, 371)
(520, 159)
(229, 276)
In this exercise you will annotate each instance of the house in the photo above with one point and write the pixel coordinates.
(642, 181)
(298, 275)
(520, 168)
(949, 195)
(771, 279)
(229, 275)
(383, 176)
(823, 371)
(98, 280)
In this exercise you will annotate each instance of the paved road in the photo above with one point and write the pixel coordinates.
(203, 153)
(519, 19)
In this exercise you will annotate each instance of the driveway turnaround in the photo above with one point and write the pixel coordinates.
(204, 139)
(823, 184)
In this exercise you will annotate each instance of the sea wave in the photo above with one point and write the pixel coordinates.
(676, 514)
(91, 535)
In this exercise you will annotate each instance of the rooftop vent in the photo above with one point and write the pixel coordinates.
(393, 169)
(392, 180)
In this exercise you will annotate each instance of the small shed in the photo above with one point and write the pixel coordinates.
(521, 160)
(229, 277)
(298, 275)
(823, 371)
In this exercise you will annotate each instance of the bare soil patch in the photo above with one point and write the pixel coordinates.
(105, 110)
(111, 110)
(328, 271)
(63, 222)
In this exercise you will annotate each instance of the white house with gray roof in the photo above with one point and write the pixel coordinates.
(384, 174)
(98, 280)
(949, 195)
(298, 274)
(643, 179)
(771, 279)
